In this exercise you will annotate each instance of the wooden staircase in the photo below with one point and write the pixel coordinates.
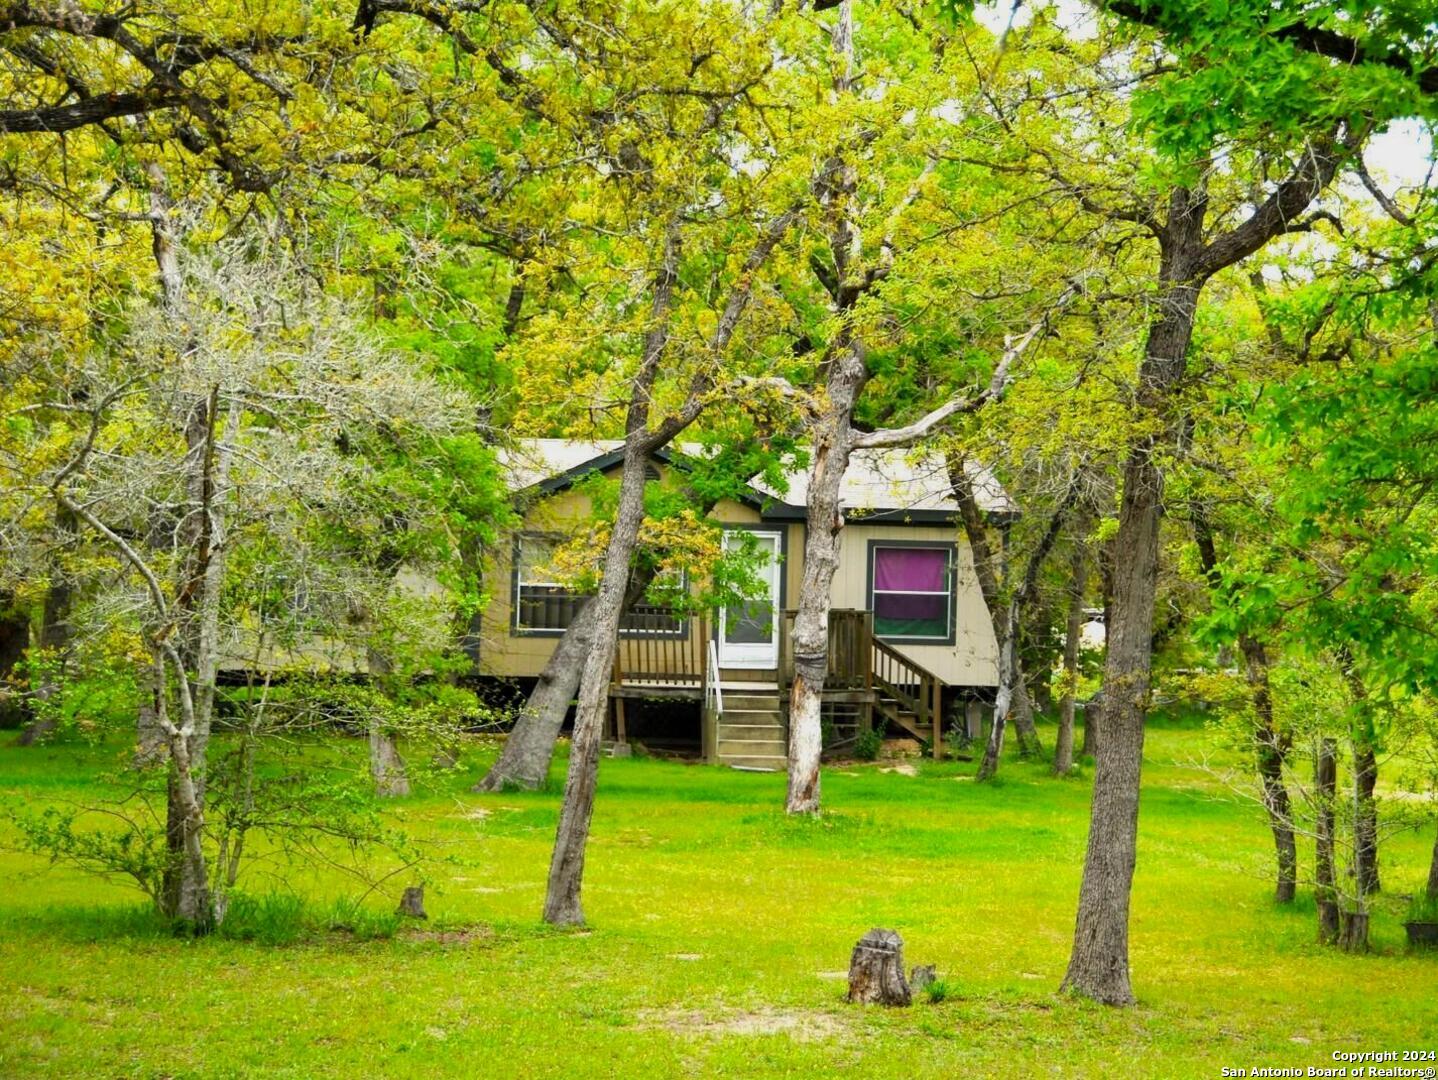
(751, 728)
(907, 695)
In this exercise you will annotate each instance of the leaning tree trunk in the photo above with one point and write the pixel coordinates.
(1009, 681)
(524, 761)
(1098, 966)
(1325, 784)
(833, 443)
(562, 905)
(1078, 579)
(1271, 750)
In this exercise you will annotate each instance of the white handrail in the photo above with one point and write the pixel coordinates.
(715, 689)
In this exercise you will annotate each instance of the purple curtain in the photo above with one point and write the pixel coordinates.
(911, 569)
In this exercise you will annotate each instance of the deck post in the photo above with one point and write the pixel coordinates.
(866, 672)
(710, 722)
(938, 717)
(702, 632)
(621, 734)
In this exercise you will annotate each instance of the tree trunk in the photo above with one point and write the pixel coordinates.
(14, 640)
(1023, 709)
(1009, 682)
(386, 765)
(1325, 783)
(833, 443)
(529, 748)
(524, 761)
(562, 905)
(1012, 696)
(1363, 736)
(197, 651)
(1271, 751)
(1365, 815)
(1433, 872)
(1078, 579)
(1098, 966)
(1093, 711)
(566, 868)
(185, 890)
(1353, 931)
(55, 631)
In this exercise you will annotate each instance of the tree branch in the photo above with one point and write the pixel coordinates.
(998, 385)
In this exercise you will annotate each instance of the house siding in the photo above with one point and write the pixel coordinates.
(971, 661)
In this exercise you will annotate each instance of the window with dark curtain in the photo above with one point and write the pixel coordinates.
(913, 594)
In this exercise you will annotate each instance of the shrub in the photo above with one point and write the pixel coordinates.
(866, 746)
(365, 923)
(937, 990)
(272, 919)
(1422, 908)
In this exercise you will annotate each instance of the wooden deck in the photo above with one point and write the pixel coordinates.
(745, 713)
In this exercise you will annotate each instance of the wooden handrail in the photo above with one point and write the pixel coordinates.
(913, 686)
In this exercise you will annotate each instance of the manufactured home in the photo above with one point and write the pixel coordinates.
(911, 644)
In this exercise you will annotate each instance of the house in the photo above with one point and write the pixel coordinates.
(911, 640)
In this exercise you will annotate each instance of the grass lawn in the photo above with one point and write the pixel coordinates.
(720, 932)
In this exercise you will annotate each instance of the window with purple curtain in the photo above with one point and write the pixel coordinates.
(912, 592)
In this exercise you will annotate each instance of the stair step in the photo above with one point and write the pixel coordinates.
(742, 702)
(775, 764)
(756, 748)
(766, 719)
(736, 726)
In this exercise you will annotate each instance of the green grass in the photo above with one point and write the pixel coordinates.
(719, 932)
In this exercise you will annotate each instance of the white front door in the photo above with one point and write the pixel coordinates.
(749, 632)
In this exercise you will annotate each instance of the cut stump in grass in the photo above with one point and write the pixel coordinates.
(921, 976)
(876, 970)
(411, 904)
(1353, 931)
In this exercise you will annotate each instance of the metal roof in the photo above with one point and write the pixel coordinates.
(885, 483)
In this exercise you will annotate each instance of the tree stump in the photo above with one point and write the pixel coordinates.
(411, 904)
(922, 976)
(1327, 921)
(1353, 931)
(876, 970)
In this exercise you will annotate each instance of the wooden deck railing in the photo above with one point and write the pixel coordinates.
(850, 655)
(913, 688)
(904, 691)
(663, 659)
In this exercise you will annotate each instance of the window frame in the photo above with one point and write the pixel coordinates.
(950, 549)
(517, 583)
